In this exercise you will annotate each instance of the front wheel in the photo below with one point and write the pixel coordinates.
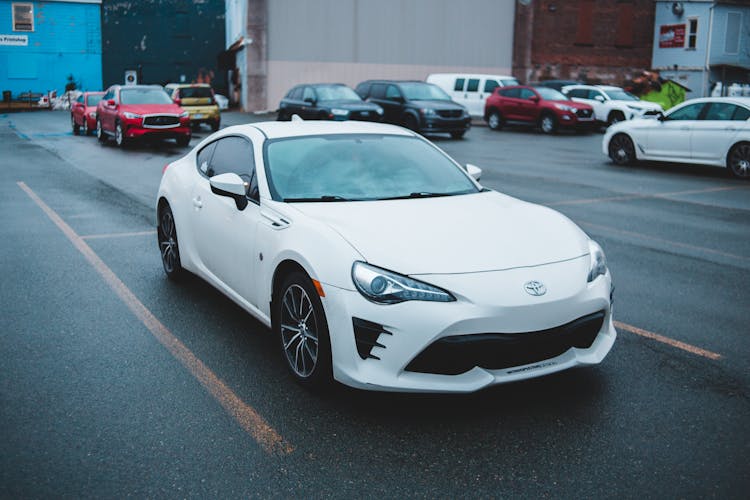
(458, 134)
(621, 150)
(548, 124)
(100, 135)
(86, 130)
(495, 120)
(183, 140)
(74, 125)
(119, 135)
(166, 234)
(615, 117)
(303, 331)
(738, 160)
(411, 123)
(215, 126)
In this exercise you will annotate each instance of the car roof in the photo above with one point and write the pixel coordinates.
(471, 75)
(125, 87)
(279, 130)
(397, 81)
(744, 101)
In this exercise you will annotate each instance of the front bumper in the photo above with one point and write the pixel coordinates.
(567, 119)
(203, 114)
(431, 124)
(135, 132)
(490, 302)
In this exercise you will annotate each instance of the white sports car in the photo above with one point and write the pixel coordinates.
(709, 131)
(380, 262)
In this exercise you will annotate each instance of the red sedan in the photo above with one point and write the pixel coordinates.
(130, 112)
(83, 112)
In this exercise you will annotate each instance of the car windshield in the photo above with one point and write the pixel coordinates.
(509, 81)
(549, 94)
(620, 95)
(418, 91)
(336, 92)
(93, 100)
(144, 96)
(360, 167)
(195, 92)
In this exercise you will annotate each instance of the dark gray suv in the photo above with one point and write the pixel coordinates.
(419, 106)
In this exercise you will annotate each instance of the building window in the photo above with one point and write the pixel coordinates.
(624, 36)
(732, 41)
(23, 17)
(692, 33)
(585, 31)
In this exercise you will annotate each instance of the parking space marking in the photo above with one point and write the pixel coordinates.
(629, 197)
(252, 422)
(116, 235)
(666, 340)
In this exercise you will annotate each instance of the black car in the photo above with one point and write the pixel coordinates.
(327, 101)
(419, 106)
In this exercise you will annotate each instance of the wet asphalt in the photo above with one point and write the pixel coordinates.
(92, 405)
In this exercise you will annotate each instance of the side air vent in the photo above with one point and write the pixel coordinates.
(366, 334)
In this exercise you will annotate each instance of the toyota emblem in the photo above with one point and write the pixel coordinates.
(535, 288)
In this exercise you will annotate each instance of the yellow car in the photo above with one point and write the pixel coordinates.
(198, 100)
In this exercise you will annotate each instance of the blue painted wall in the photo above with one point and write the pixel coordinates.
(66, 41)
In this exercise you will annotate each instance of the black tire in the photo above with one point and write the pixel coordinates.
(458, 134)
(166, 233)
(215, 125)
(495, 120)
(282, 117)
(183, 140)
(738, 160)
(85, 130)
(615, 117)
(302, 330)
(120, 139)
(76, 128)
(100, 134)
(411, 123)
(621, 150)
(548, 123)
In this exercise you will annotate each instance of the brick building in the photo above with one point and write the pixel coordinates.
(602, 41)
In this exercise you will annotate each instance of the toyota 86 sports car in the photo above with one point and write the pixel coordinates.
(380, 262)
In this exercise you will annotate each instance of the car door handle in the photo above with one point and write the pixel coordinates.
(197, 203)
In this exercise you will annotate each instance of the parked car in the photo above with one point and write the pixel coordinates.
(419, 106)
(709, 131)
(129, 112)
(556, 84)
(327, 101)
(611, 104)
(541, 106)
(198, 100)
(83, 112)
(383, 264)
(470, 90)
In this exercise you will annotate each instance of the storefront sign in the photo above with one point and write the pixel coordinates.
(671, 36)
(19, 40)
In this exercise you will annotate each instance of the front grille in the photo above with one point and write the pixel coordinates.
(363, 115)
(584, 113)
(366, 334)
(493, 351)
(450, 113)
(161, 121)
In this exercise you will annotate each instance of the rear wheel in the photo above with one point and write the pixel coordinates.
(548, 123)
(495, 120)
(621, 150)
(86, 130)
(168, 246)
(303, 331)
(458, 134)
(74, 125)
(738, 160)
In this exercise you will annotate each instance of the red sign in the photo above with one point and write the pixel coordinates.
(671, 36)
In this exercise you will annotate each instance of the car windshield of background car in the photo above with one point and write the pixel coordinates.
(360, 167)
(336, 93)
(549, 94)
(424, 92)
(195, 92)
(507, 82)
(144, 96)
(620, 95)
(93, 100)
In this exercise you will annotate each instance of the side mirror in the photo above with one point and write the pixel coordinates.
(111, 102)
(660, 116)
(599, 98)
(534, 98)
(177, 101)
(310, 101)
(232, 186)
(474, 171)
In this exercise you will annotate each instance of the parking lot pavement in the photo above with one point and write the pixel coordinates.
(99, 400)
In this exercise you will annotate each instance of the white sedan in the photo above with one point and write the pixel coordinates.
(709, 131)
(380, 262)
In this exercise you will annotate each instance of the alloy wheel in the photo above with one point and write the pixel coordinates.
(119, 139)
(621, 149)
(494, 121)
(739, 160)
(170, 256)
(299, 331)
(547, 124)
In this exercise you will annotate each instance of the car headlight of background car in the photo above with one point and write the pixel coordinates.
(386, 287)
(184, 114)
(131, 116)
(598, 265)
(565, 107)
(339, 112)
(428, 112)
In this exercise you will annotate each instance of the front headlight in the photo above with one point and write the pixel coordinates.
(385, 287)
(565, 107)
(428, 112)
(598, 265)
(92, 114)
(339, 112)
(131, 116)
(379, 111)
(634, 108)
(184, 114)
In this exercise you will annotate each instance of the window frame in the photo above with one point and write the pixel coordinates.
(459, 85)
(691, 37)
(252, 171)
(14, 22)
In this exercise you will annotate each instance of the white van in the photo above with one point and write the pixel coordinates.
(470, 90)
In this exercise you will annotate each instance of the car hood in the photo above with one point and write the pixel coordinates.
(436, 104)
(456, 234)
(574, 104)
(151, 109)
(644, 105)
(351, 104)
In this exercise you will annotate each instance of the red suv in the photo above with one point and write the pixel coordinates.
(542, 106)
(83, 112)
(128, 112)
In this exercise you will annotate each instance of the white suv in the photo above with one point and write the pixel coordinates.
(611, 104)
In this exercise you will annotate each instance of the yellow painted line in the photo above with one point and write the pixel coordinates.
(629, 197)
(666, 340)
(116, 235)
(252, 422)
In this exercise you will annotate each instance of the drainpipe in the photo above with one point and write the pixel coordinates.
(707, 67)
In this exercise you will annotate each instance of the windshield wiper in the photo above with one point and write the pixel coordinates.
(318, 198)
(418, 194)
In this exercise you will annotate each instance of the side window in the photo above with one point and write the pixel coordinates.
(204, 159)
(297, 94)
(720, 111)
(378, 91)
(107, 96)
(459, 86)
(80, 99)
(308, 94)
(579, 93)
(392, 92)
(235, 154)
(473, 85)
(689, 112)
(527, 93)
(490, 85)
(741, 114)
(515, 93)
(593, 94)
